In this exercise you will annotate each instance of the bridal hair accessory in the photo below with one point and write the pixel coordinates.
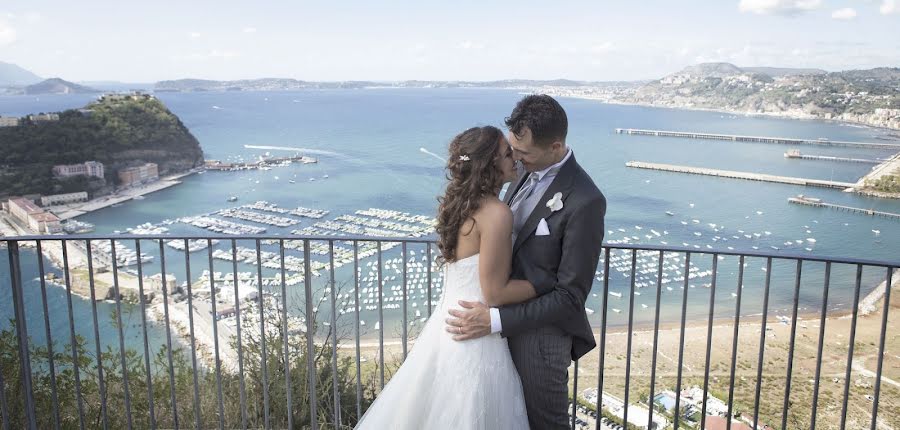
(463, 157)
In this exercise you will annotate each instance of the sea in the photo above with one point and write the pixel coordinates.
(383, 148)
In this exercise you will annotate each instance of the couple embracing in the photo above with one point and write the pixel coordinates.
(495, 354)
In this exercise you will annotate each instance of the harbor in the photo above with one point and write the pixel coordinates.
(742, 175)
(810, 201)
(795, 154)
(757, 139)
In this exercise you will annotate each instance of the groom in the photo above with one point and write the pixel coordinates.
(558, 229)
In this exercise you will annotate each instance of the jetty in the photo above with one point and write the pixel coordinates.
(810, 201)
(758, 139)
(797, 155)
(741, 175)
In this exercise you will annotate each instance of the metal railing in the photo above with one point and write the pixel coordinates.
(292, 359)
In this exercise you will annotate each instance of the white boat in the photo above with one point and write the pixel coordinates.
(615, 294)
(670, 213)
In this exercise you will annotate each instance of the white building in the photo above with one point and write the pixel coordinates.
(62, 199)
(44, 117)
(34, 217)
(88, 168)
(9, 121)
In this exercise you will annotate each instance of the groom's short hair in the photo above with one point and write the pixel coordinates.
(543, 116)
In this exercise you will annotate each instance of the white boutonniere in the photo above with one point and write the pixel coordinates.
(555, 203)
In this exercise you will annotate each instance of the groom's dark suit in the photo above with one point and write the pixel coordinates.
(546, 333)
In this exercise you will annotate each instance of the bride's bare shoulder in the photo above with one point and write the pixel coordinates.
(493, 210)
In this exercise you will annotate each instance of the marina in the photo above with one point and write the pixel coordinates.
(758, 139)
(795, 154)
(742, 175)
(810, 201)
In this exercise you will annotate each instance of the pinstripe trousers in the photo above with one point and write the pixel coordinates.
(542, 357)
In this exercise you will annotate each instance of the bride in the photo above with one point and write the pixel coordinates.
(469, 384)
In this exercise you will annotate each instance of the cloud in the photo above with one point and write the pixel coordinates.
(215, 54)
(7, 33)
(779, 7)
(249, 30)
(602, 48)
(32, 17)
(888, 7)
(846, 13)
(194, 35)
(468, 44)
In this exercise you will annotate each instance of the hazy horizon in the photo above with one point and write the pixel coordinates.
(466, 41)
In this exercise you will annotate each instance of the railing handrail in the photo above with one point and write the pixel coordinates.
(430, 239)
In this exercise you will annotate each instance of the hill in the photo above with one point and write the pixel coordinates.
(12, 75)
(57, 86)
(119, 131)
(870, 97)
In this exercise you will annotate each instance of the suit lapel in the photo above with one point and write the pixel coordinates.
(562, 183)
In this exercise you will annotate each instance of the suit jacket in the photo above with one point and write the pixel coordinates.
(560, 265)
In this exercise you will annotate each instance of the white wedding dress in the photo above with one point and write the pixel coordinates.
(448, 384)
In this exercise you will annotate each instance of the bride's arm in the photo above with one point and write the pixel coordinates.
(495, 259)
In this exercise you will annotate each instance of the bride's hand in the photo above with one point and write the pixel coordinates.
(471, 323)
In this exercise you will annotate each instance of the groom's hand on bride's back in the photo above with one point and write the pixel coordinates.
(471, 322)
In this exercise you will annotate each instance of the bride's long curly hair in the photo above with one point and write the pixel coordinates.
(472, 173)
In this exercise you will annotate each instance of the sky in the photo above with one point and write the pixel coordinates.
(148, 41)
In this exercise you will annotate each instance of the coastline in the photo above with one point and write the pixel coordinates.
(782, 115)
(68, 211)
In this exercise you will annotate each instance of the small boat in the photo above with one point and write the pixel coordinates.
(232, 198)
(670, 213)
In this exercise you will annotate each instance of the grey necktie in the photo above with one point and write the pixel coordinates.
(521, 196)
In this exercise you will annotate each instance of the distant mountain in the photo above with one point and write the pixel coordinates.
(264, 84)
(715, 70)
(116, 86)
(12, 75)
(778, 72)
(57, 86)
(869, 97)
(282, 84)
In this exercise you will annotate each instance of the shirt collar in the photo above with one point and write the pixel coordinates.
(554, 168)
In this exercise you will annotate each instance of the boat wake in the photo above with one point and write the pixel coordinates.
(425, 151)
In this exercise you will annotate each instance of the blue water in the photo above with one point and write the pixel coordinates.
(368, 141)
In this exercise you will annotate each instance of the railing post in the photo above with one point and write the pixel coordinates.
(15, 276)
(310, 338)
(884, 319)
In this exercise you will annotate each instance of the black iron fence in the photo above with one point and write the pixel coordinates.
(118, 348)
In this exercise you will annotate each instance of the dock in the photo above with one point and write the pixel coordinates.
(757, 139)
(742, 175)
(797, 155)
(809, 201)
